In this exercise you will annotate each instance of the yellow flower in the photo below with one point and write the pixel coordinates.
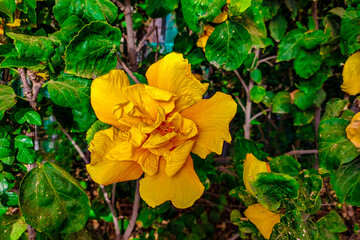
(351, 75)
(16, 23)
(253, 166)
(154, 129)
(353, 130)
(205, 36)
(263, 219)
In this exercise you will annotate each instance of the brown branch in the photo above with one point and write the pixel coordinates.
(134, 213)
(236, 235)
(119, 5)
(130, 36)
(31, 232)
(127, 70)
(240, 103)
(259, 114)
(112, 209)
(113, 194)
(314, 14)
(266, 60)
(142, 41)
(157, 43)
(242, 81)
(295, 152)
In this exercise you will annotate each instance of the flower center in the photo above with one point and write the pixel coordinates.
(165, 127)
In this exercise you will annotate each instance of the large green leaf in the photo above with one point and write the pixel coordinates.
(22, 141)
(302, 118)
(290, 45)
(237, 7)
(70, 91)
(303, 100)
(28, 115)
(83, 120)
(69, 28)
(87, 10)
(51, 200)
(92, 52)
(95, 127)
(274, 189)
(350, 31)
(228, 45)
(281, 103)
(8, 7)
(285, 164)
(346, 182)
(277, 27)
(334, 147)
(12, 227)
(28, 7)
(307, 62)
(26, 155)
(312, 39)
(310, 186)
(160, 8)
(244, 146)
(334, 107)
(330, 225)
(7, 98)
(243, 195)
(196, 13)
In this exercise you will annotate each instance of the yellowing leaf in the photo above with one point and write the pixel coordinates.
(252, 167)
(263, 219)
(16, 23)
(205, 36)
(221, 17)
(353, 130)
(44, 75)
(351, 75)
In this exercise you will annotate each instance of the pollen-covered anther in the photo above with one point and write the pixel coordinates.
(165, 127)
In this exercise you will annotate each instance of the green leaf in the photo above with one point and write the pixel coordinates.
(36, 48)
(334, 147)
(83, 120)
(257, 93)
(8, 7)
(22, 141)
(228, 46)
(256, 75)
(290, 45)
(183, 43)
(273, 189)
(12, 227)
(84, 234)
(244, 146)
(303, 100)
(160, 8)
(350, 31)
(26, 155)
(69, 28)
(87, 10)
(95, 127)
(281, 103)
(285, 164)
(302, 118)
(269, 8)
(28, 115)
(346, 182)
(243, 195)
(4, 152)
(7, 98)
(277, 27)
(334, 107)
(330, 225)
(319, 97)
(307, 62)
(10, 199)
(311, 40)
(252, 20)
(237, 7)
(196, 13)
(30, 6)
(70, 91)
(310, 186)
(93, 51)
(51, 200)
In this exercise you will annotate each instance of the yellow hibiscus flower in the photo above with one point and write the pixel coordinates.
(353, 130)
(154, 129)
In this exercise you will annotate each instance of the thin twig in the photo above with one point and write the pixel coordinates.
(119, 4)
(266, 60)
(157, 43)
(127, 70)
(142, 41)
(248, 107)
(236, 235)
(31, 232)
(314, 14)
(295, 152)
(259, 114)
(242, 81)
(113, 194)
(112, 209)
(130, 36)
(240, 103)
(28, 93)
(134, 213)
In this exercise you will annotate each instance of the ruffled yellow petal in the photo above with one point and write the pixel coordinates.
(253, 166)
(176, 158)
(105, 171)
(173, 73)
(182, 189)
(263, 219)
(205, 36)
(353, 130)
(221, 17)
(106, 92)
(148, 161)
(212, 117)
(351, 75)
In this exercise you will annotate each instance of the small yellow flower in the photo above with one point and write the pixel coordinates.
(16, 23)
(263, 219)
(208, 29)
(154, 129)
(353, 130)
(351, 75)
(253, 166)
